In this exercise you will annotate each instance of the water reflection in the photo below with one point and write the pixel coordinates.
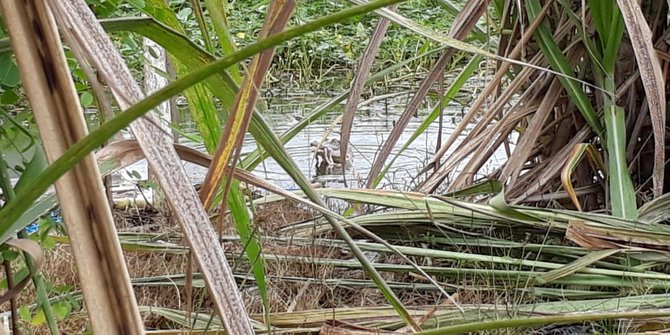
(372, 125)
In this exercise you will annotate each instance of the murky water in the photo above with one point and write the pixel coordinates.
(372, 125)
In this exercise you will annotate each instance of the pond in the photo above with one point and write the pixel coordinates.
(372, 126)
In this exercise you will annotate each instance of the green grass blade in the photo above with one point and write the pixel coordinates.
(610, 26)
(38, 282)
(622, 192)
(560, 64)
(483, 187)
(33, 169)
(575, 266)
(250, 241)
(499, 203)
(545, 320)
(217, 14)
(589, 44)
(199, 99)
(202, 24)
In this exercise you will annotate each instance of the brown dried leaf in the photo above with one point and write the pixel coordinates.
(231, 140)
(491, 87)
(652, 79)
(577, 232)
(364, 67)
(90, 43)
(465, 21)
(35, 251)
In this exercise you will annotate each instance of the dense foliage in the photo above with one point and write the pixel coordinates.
(545, 195)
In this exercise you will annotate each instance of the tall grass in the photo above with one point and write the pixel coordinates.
(569, 78)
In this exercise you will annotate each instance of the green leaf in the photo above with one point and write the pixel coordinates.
(48, 243)
(622, 192)
(483, 187)
(139, 4)
(9, 72)
(559, 63)
(249, 240)
(9, 97)
(24, 313)
(610, 27)
(86, 99)
(575, 266)
(39, 318)
(80, 74)
(62, 310)
(217, 15)
(9, 255)
(34, 168)
(62, 289)
(499, 203)
(129, 42)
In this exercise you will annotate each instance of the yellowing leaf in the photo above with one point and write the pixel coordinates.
(39, 318)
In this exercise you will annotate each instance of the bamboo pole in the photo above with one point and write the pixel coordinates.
(85, 36)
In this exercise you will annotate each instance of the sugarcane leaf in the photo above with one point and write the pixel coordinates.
(499, 203)
(488, 186)
(622, 192)
(559, 63)
(575, 266)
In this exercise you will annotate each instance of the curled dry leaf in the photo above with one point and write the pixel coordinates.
(570, 166)
(33, 249)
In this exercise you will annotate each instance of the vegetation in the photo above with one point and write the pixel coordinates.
(566, 234)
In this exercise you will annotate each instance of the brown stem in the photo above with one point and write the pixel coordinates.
(12, 301)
